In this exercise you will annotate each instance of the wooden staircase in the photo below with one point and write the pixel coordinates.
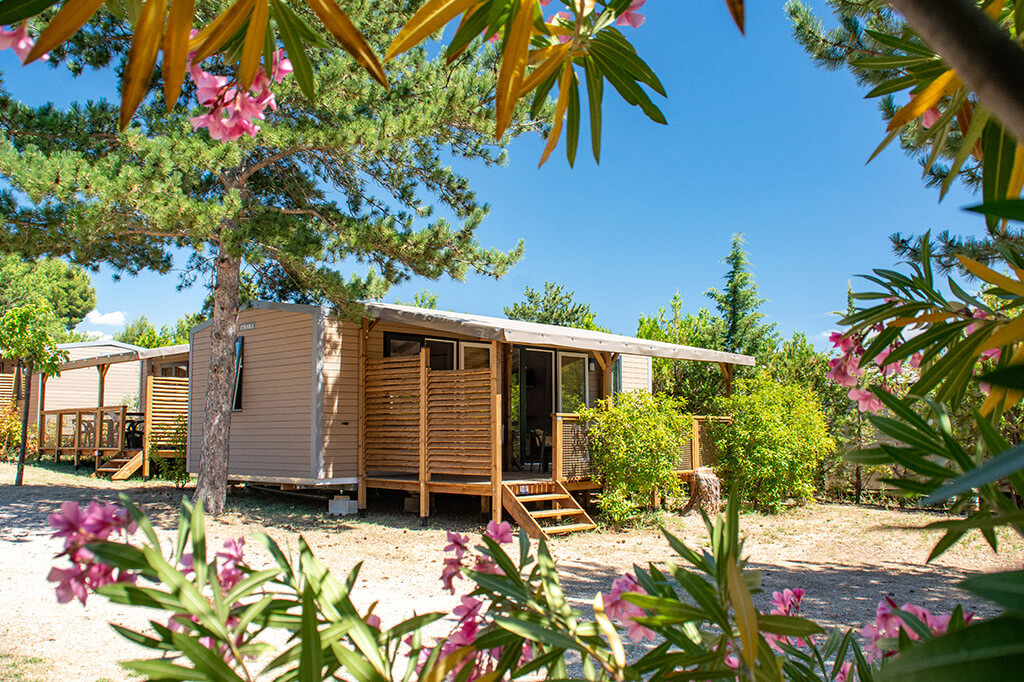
(544, 508)
(120, 466)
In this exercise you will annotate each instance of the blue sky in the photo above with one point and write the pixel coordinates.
(759, 141)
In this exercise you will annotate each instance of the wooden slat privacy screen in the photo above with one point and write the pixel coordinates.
(459, 422)
(392, 396)
(166, 406)
(6, 392)
(458, 425)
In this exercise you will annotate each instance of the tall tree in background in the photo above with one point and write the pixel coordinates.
(738, 304)
(65, 288)
(552, 306)
(142, 332)
(698, 383)
(344, 177)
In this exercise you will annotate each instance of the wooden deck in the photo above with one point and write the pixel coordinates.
(117, 441)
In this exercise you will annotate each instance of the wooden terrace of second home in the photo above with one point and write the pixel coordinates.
(117, 438)
(473, 405)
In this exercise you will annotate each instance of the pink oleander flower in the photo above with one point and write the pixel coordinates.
(844, 343)
(452, 569)
(457, 543)
(80, 527)
(618, 608)
(888, 625)
(844, 672)
(915, 360)
(19, 41)
(929, 117)
(499, 532)
(631, 17)
(888, 369)
(373, 620)
(844, 370)
(866, 400)
(785, 603)
(484, 564)
(232, 112)
(228, 572)
(469, 608)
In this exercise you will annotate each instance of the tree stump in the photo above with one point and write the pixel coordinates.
(705, 492)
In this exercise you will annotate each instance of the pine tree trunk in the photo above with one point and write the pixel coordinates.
(26, 378)
(211, 486)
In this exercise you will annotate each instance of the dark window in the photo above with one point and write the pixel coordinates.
(442, 351)
(236, 401)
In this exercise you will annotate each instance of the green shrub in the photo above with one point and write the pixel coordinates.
(774, 445)
(174, 468)
(635, 440)
(10, 436)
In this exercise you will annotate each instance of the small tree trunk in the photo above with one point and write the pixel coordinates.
(211, 485)
(27, 383)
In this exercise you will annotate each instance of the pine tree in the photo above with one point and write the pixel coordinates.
(738, 305)
(343, 179)
(552, 306)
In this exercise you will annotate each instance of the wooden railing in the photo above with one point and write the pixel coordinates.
(99, 430)
(570, 447)
(103, 432)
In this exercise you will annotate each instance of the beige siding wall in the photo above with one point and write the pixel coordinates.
(636, 373)
(341, 398)
(271, 434)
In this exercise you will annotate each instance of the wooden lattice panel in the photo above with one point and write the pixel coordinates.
(459, 422)
(6, 392)
(392, 404)
(576, 460)
(167, 405)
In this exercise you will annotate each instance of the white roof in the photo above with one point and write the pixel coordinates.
(137, 353)
(534, 334)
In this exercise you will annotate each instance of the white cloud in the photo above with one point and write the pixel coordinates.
(114, 319)
(96, 335)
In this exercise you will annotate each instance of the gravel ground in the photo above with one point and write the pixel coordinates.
(846, 557)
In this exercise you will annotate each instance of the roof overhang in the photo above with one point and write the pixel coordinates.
(126, 356)
(534, 334)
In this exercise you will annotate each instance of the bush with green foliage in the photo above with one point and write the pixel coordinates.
(772, 448)
(635, 440)
(174, 468)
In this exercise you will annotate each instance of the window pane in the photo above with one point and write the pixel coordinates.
(442, 354)
(476, 357)
(236, 402)
(573, 392)
(402, 347)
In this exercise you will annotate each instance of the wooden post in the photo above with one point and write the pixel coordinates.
(60, 433)
(496, 504)
(102, 369)
(41, 426)
(727, 373)
(78, 435)
(424, 488)
(695, 462)
(120, 427)
(556, 447)
(147, 429)
(361, 430)
(606, 376)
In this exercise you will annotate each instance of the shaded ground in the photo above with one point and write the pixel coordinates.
(846, 557)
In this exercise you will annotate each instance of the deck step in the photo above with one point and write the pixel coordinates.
(564, 507)
(569, 528)
(551, 513)
(544, 497)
